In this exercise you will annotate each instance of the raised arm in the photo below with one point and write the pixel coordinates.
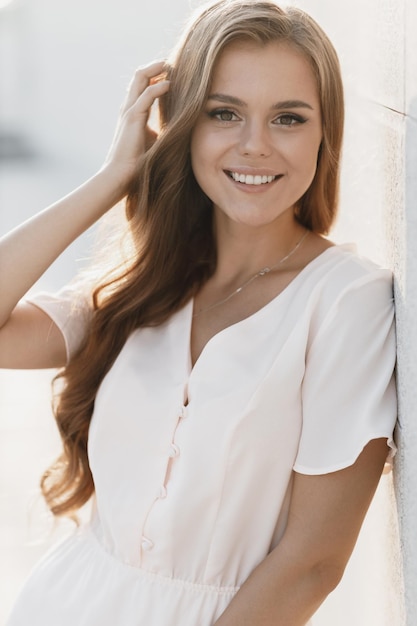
(27, 251)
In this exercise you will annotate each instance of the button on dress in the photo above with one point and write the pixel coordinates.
(193, 466)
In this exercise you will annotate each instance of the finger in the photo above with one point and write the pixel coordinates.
(145, 101)
(141, 79)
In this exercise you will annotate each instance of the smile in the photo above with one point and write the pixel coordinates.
(249, 179)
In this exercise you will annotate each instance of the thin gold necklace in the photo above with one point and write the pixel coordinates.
(262, 272)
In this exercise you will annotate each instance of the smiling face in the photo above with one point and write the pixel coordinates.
(255, 145)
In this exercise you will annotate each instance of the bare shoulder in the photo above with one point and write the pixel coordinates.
(31, 340)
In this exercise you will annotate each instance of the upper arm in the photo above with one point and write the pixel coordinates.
(348, 391)
(30, 339)
(349, 413)
(326, 511)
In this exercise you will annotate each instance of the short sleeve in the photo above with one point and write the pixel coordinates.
(348, 391)
(71, 310)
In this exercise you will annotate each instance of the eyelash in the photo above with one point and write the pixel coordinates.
(216, 113)
(295, 119)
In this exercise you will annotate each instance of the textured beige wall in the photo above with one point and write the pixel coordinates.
(404, 253)
(378, 212)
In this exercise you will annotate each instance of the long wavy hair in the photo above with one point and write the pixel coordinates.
(170, 218)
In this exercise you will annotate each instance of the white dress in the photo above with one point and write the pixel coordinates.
(190, 497)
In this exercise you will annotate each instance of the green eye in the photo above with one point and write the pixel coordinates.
(289, 119)
(224, 115)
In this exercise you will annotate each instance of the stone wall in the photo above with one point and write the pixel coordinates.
(376, 44)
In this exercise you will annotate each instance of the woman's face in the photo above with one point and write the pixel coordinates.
(255, 145)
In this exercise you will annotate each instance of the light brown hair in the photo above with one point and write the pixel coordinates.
(170, 218)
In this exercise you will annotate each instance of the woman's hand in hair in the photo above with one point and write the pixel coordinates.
(30, 249)
(133, 134)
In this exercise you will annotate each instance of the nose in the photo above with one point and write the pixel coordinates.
(255, 139)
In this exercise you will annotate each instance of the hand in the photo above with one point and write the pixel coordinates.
(133, 135)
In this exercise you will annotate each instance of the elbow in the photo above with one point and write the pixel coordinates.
(327, 576)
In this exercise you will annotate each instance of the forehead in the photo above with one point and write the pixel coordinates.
(274, 67)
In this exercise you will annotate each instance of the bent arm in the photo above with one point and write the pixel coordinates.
(326, 513)
(28, 251)
(28, 337)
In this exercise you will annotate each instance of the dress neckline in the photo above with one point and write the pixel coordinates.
(262, 310)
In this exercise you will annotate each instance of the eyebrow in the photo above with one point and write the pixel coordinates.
(285, 104)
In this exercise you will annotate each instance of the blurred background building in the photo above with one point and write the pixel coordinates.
(64, 69)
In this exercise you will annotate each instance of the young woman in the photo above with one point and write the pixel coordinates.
(227, 394)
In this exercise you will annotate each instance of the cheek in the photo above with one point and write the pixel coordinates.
(204, 152)
(198, 167)
(197, 150)
(304, 155)
(199, 164)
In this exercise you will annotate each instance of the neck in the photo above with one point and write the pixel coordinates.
(243, 251)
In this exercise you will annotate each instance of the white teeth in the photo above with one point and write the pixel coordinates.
(248, 179)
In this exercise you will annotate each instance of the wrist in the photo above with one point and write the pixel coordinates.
(114, 181)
